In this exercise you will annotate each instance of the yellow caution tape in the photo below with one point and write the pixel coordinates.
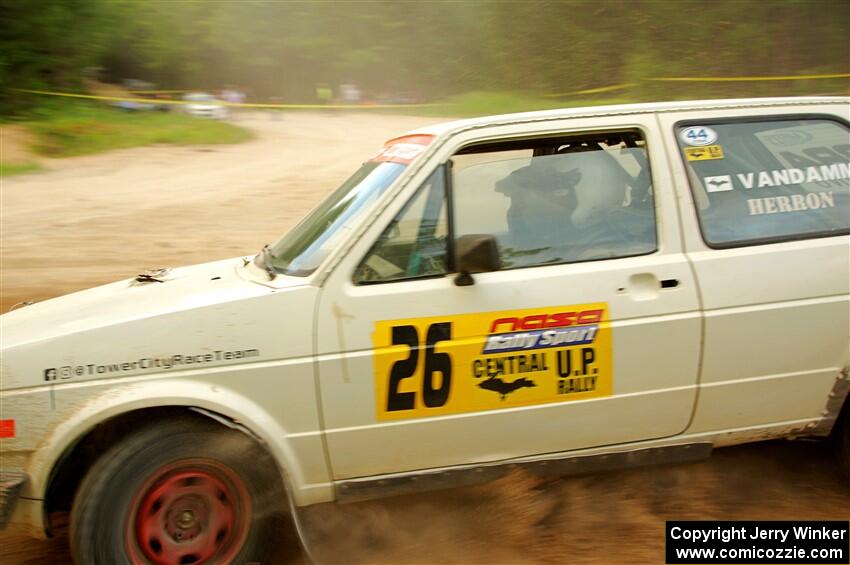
(325, 106)
(598, 90)
(593, 90)
(695, 79)
(222, 103)
(111, 98)
(160, 91)
(748, 79)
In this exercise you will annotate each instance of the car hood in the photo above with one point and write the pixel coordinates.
(201, 312)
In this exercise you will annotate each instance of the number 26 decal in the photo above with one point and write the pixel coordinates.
(432, 397)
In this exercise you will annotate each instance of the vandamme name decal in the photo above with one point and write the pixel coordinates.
(826, 176)
(148, 364)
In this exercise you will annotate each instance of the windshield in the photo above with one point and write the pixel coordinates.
(301, 250)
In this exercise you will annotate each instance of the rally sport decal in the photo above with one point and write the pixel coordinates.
(493, 360)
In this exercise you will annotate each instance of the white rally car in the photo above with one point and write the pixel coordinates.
(567, 290)
(203, 105)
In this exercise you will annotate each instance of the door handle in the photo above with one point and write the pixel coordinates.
(646, 286)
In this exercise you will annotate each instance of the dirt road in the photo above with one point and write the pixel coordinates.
(601, 519)
(91, 220)
(96, 219)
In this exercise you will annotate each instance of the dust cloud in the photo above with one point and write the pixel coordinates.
(615, 517)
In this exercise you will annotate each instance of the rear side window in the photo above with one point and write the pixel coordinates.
(767, 181)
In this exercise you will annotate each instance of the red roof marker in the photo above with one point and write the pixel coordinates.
(7, 428)
(403, 149)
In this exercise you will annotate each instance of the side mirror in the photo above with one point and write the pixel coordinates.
(475, 254)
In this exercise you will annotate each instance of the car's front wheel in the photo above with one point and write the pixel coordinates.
(841, 439)
(181, 491)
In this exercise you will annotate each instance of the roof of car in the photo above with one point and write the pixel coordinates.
(590, 111)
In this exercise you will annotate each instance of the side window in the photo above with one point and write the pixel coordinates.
(558, 200)
(770, 180)
(414, 244)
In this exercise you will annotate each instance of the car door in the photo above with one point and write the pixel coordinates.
(588, 335)
(764, 195)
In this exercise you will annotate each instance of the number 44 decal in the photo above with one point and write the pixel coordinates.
(432, 397)
(698, 135)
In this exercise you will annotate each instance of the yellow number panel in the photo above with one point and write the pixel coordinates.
(487, 361)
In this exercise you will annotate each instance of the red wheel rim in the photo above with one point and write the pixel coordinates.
(192, 511)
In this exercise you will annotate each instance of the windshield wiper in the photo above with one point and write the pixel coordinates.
(264, 260)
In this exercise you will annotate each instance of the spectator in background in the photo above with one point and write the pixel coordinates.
(349, 93)
(232, 95)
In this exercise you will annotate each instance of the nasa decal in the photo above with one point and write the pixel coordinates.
(489, 361)
(698, 136)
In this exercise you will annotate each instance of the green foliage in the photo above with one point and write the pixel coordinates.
(79, 129)
(47, 43)
(483, 103)
(9, 169)
(428, 50)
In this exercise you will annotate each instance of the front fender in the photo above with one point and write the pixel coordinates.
(284, 418)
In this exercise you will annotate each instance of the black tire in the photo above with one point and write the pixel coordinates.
(179, 491)
(841, 440)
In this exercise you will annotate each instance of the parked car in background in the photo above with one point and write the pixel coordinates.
(568, 291)
(137, 106)
(204, 105)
